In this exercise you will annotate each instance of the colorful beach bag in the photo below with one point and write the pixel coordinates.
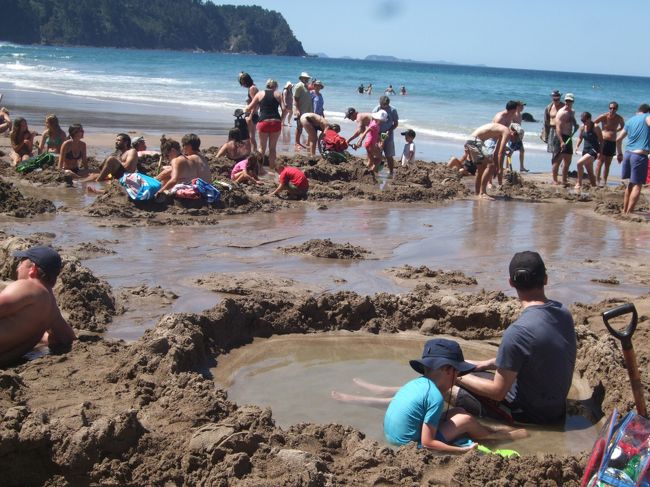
(621, 454)
(208, 191)
(140, 187)
(38, 162)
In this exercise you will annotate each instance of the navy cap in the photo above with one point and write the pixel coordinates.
(527, 270)
(46, 258)
(439, 352)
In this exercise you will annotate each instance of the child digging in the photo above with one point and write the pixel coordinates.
(416, 411)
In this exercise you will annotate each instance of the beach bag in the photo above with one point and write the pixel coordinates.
(140, 187)
(38, 162)
(208, 191)
(621, 454)
(332, 141)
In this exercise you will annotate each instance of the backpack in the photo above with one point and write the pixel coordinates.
(140, 187)
(38, 162)
(332, 141)
(621, 454)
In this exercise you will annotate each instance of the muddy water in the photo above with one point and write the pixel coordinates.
(295, 375)
(476, 237)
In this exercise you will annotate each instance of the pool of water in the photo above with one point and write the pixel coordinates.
(296, 374)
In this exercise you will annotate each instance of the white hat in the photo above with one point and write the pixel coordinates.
(380, 115)
(304, 74)
(515, 127)
(287, 84)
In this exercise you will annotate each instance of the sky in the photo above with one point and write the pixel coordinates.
(594, 36)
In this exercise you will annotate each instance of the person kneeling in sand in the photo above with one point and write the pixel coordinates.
(292, 180)
(248, 170)
(114, 167)
(416, 412)
(181, 169)
(28, 310)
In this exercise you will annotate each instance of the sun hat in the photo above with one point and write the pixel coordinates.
(527, 270)
(288, 84)
(556, 93)
(439, 352)
(349, 112)
(569, 97)
(515, 127)
(304, 74)
(46, 258)
(410, 132)
(380, 115)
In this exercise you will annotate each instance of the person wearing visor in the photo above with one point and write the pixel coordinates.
(29, 313)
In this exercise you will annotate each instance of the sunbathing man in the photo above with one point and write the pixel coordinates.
(362, 120)
(116, 166)
(28, 310)
(487, 143)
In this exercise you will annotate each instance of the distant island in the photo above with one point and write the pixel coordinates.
(149, 24)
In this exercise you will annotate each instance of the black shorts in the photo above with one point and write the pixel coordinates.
(119, 172)
(609, 148)
(470, 167)
(568, 144)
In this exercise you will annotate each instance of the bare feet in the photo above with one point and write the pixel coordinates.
(577, 186)
(485, 196)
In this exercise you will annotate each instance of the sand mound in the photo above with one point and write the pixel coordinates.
(13, 203)
(328, 249)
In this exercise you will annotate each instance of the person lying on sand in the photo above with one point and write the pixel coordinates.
(114, 167)
(28, 310)
(416, 412)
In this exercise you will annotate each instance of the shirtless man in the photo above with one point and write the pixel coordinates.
(550, 112)
(181, 169)
(236, 149)
(116, 166)
(191, 144)
(565, 126)
(505, 118)
(487, 142)
(28, 310)
(611, 122)
(362, 120)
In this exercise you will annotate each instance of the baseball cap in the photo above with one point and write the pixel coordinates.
(137, 140)
(304, 74)
(515, 127)
(527, 270)
(380, 115)
(349, 112)
(556, 93)
(318, 83)
(46, 258)
(410, 132)
(439, 352)
(569, 97)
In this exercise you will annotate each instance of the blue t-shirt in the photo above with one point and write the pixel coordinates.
(417, 402)
(318, 103)
(541, 347)
(638, 132)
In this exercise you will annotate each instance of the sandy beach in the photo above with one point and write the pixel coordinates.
(159, 293)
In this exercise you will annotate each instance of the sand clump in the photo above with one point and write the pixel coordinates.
(327, 249)
(13, 203)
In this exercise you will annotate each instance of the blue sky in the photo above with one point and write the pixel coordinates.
(551, 34)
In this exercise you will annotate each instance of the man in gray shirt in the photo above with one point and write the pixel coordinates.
(387, 128)
(535, 361)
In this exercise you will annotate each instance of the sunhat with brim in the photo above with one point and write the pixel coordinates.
(304, 75)
(439, 352)
(288, 84)
(380, 115)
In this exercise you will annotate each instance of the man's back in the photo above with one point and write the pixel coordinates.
(200, 164)
(541, 347)
(638, 132)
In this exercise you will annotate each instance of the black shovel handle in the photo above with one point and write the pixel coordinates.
(625, 336)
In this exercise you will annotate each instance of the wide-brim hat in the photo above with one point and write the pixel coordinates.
(304, 74)
(288, 84)
(380, 115)
(439, 352)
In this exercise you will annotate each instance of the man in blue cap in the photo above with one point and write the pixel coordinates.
(416, 411)
(28, 310)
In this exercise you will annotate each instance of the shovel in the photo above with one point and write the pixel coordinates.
(625, 337)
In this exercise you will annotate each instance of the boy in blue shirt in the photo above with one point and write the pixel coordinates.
(416, 411)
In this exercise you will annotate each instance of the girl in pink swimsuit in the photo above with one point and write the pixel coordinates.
(373, 143)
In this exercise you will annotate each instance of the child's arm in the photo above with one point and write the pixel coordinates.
(428, 440)
(363, 136)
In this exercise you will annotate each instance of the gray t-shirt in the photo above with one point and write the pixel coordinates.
(392, 118)
(541, 347)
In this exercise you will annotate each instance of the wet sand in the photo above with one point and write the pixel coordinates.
(429, 258)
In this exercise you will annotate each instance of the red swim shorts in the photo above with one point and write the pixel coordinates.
(269, 126)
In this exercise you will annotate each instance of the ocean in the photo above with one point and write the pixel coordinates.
(156, 91)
